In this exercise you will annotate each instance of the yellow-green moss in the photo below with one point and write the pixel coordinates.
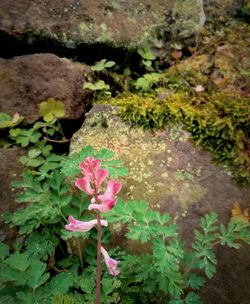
(219, 122)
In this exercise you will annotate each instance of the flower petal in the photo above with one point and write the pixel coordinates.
(100, 175)
(112, 189)
(84, 184)
(75, 225)
(104, 207)
(89, 165)
(110, 263)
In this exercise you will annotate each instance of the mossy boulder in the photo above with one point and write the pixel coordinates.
(117, 23)
(165, 168)
(221, 64)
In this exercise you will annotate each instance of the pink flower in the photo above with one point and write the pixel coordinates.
(112, 189)
(100, 175)
(75, 225)
(89, 165)
(110, 263)
(105, 206)
(108, 199)
(84, 184)
(94, 176)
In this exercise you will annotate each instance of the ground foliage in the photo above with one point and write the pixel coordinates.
(55, 266)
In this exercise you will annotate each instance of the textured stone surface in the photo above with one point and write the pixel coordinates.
(174, 176)
(25, 81)
(118, 23)
(165, 168)
(223, 64)
(10, 169)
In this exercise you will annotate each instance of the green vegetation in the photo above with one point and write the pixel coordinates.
(219, 123)
(53, 265)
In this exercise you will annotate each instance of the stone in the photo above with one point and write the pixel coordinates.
(222, 64)
(117, 23)
(25, 81)
(165, 167)
(10, 170)
(174, 176)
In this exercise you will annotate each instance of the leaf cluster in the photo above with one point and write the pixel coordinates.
(166, 270)
(6, 121)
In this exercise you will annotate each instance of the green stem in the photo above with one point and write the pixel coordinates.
(63, 252)
(80, 252)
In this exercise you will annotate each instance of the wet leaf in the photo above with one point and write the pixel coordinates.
(239, 214)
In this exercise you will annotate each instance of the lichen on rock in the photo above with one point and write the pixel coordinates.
(171, 174)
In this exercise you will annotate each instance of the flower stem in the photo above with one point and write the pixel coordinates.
(98, 262)
(99, 256)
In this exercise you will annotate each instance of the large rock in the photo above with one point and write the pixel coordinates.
(174, 176)
(221, 64)
(165, 168)
(118, 23)
(10, 169)
(25, 81)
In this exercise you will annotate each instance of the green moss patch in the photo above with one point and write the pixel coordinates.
(219, 123)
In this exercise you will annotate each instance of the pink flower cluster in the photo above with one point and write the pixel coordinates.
(91, 183)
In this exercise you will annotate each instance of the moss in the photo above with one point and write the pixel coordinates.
(219, 123)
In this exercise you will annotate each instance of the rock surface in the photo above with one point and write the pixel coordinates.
(25, 81)
(118, 23)
(222, 63)
(174, 176)
(165, 168)
(10, 169)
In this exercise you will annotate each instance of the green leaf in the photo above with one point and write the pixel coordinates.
(6, 299)
(107, 286)
(109, 64)
(233, 232)
(36, 275)
(104, 154)
(24, 137)
(146, 53)
(51, 109)
(18, 261)
(195, 281)
(89, 85)
(6, 121)
(87, 284)
(101, 65)
(61, 283)
(192, 298)
(4, 251)
(42, 245)
(101, 85)
(33, 153)
(141, 84)
(14, 132)
(25, 297)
